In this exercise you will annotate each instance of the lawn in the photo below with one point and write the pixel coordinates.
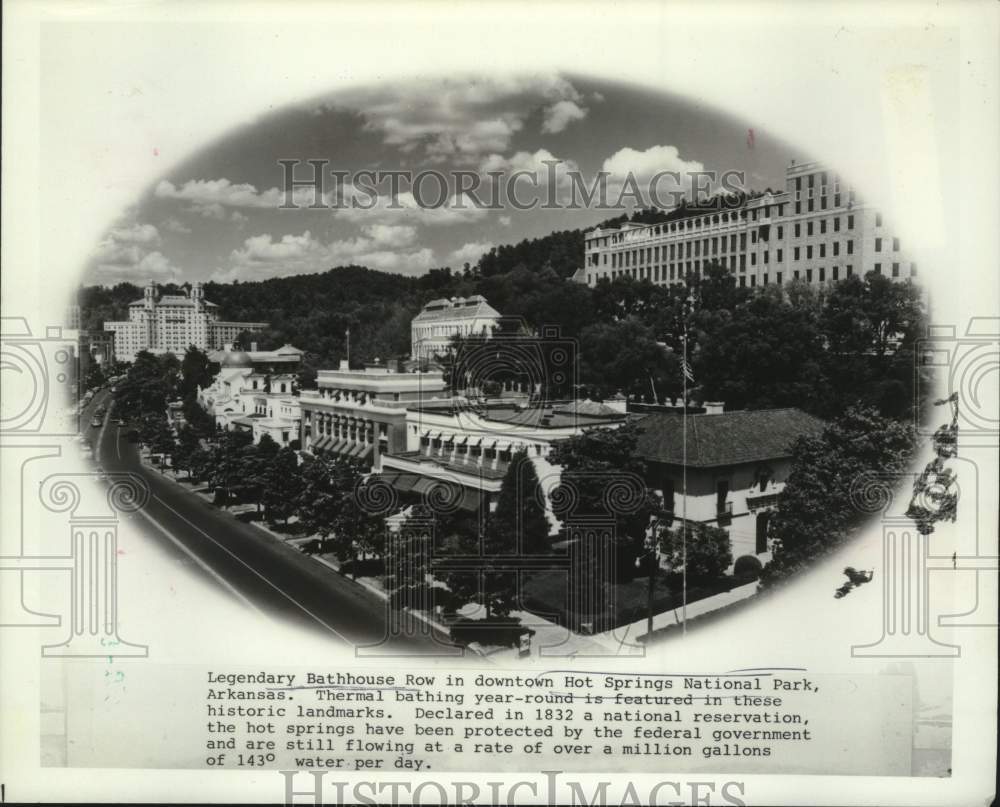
(545, 593)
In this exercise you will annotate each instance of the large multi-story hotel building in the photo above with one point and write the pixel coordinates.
(170, 323)
(431, 330)
(817, 230)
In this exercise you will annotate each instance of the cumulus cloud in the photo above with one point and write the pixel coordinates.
(658, 171)
(470, 252)
(211, 197)
(176, 226)
(128, 253)
(560, 115)
(455, 118)
(406, 210)
(504, 221)
(549, 175)
(387, 248)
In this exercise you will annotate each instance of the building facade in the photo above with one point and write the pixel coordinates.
(817, 230)
(256, 391)
(362, 413)
(737, 465)
(170, 323)
(432, 330)
(469, 448)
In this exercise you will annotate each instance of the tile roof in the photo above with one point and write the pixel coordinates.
(459, 308)
(729, 438)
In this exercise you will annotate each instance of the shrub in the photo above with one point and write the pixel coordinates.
(747, 568)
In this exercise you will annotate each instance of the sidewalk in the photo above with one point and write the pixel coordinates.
(549, 640)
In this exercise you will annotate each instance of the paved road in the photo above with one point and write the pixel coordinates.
(249, 563)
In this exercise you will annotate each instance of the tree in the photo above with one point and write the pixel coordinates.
(625, 356)
(766, 354)
(708, 553)
(196, 373)
(834, 475)
(281, 482)
(184, 450)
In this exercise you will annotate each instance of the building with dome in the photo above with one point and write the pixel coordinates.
(170, 323)
(255, 390)
(432, 330)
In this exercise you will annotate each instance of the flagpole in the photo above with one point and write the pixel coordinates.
(684, 441)
(347, 333)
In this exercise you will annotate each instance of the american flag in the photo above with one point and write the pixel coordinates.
(686, 369)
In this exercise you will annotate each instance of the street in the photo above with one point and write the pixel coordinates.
(250, 564)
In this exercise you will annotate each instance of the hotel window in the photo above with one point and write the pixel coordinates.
(753, 280)
(850, 222)
(765, 256)
(822, 250)
(812, 180)
(850, 247)
(809, 275)
(765, 280)
(777, 277)
(895, 245)
(753, 259)
(836, 248)
(797, 252)
(836, 200)
(781, 231)
(878, 244)
(753, 237)
(878, 268)
(798, 207)
(732, 243)
(810, 207)
(743, 240)
(798, 230)
(809, 252)
(822, 226)
(779, 256)
(895, 270)
(743, 263)
(836, 273)
(822, 274)
(796, 274)
(798, 183)
(849, 270)
(878, 219)
(809, 228)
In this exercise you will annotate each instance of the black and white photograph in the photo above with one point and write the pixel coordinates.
(567, 403)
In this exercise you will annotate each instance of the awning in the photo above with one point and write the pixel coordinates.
(357, 451)
(321, 444)
(338, 446)
(423, 484)
(462, 440)
(471, 500)
(366, 454)
(404, 482)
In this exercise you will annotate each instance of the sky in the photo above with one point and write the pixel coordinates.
(217, 216)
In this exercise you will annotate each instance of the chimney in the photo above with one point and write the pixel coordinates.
(714, 407)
